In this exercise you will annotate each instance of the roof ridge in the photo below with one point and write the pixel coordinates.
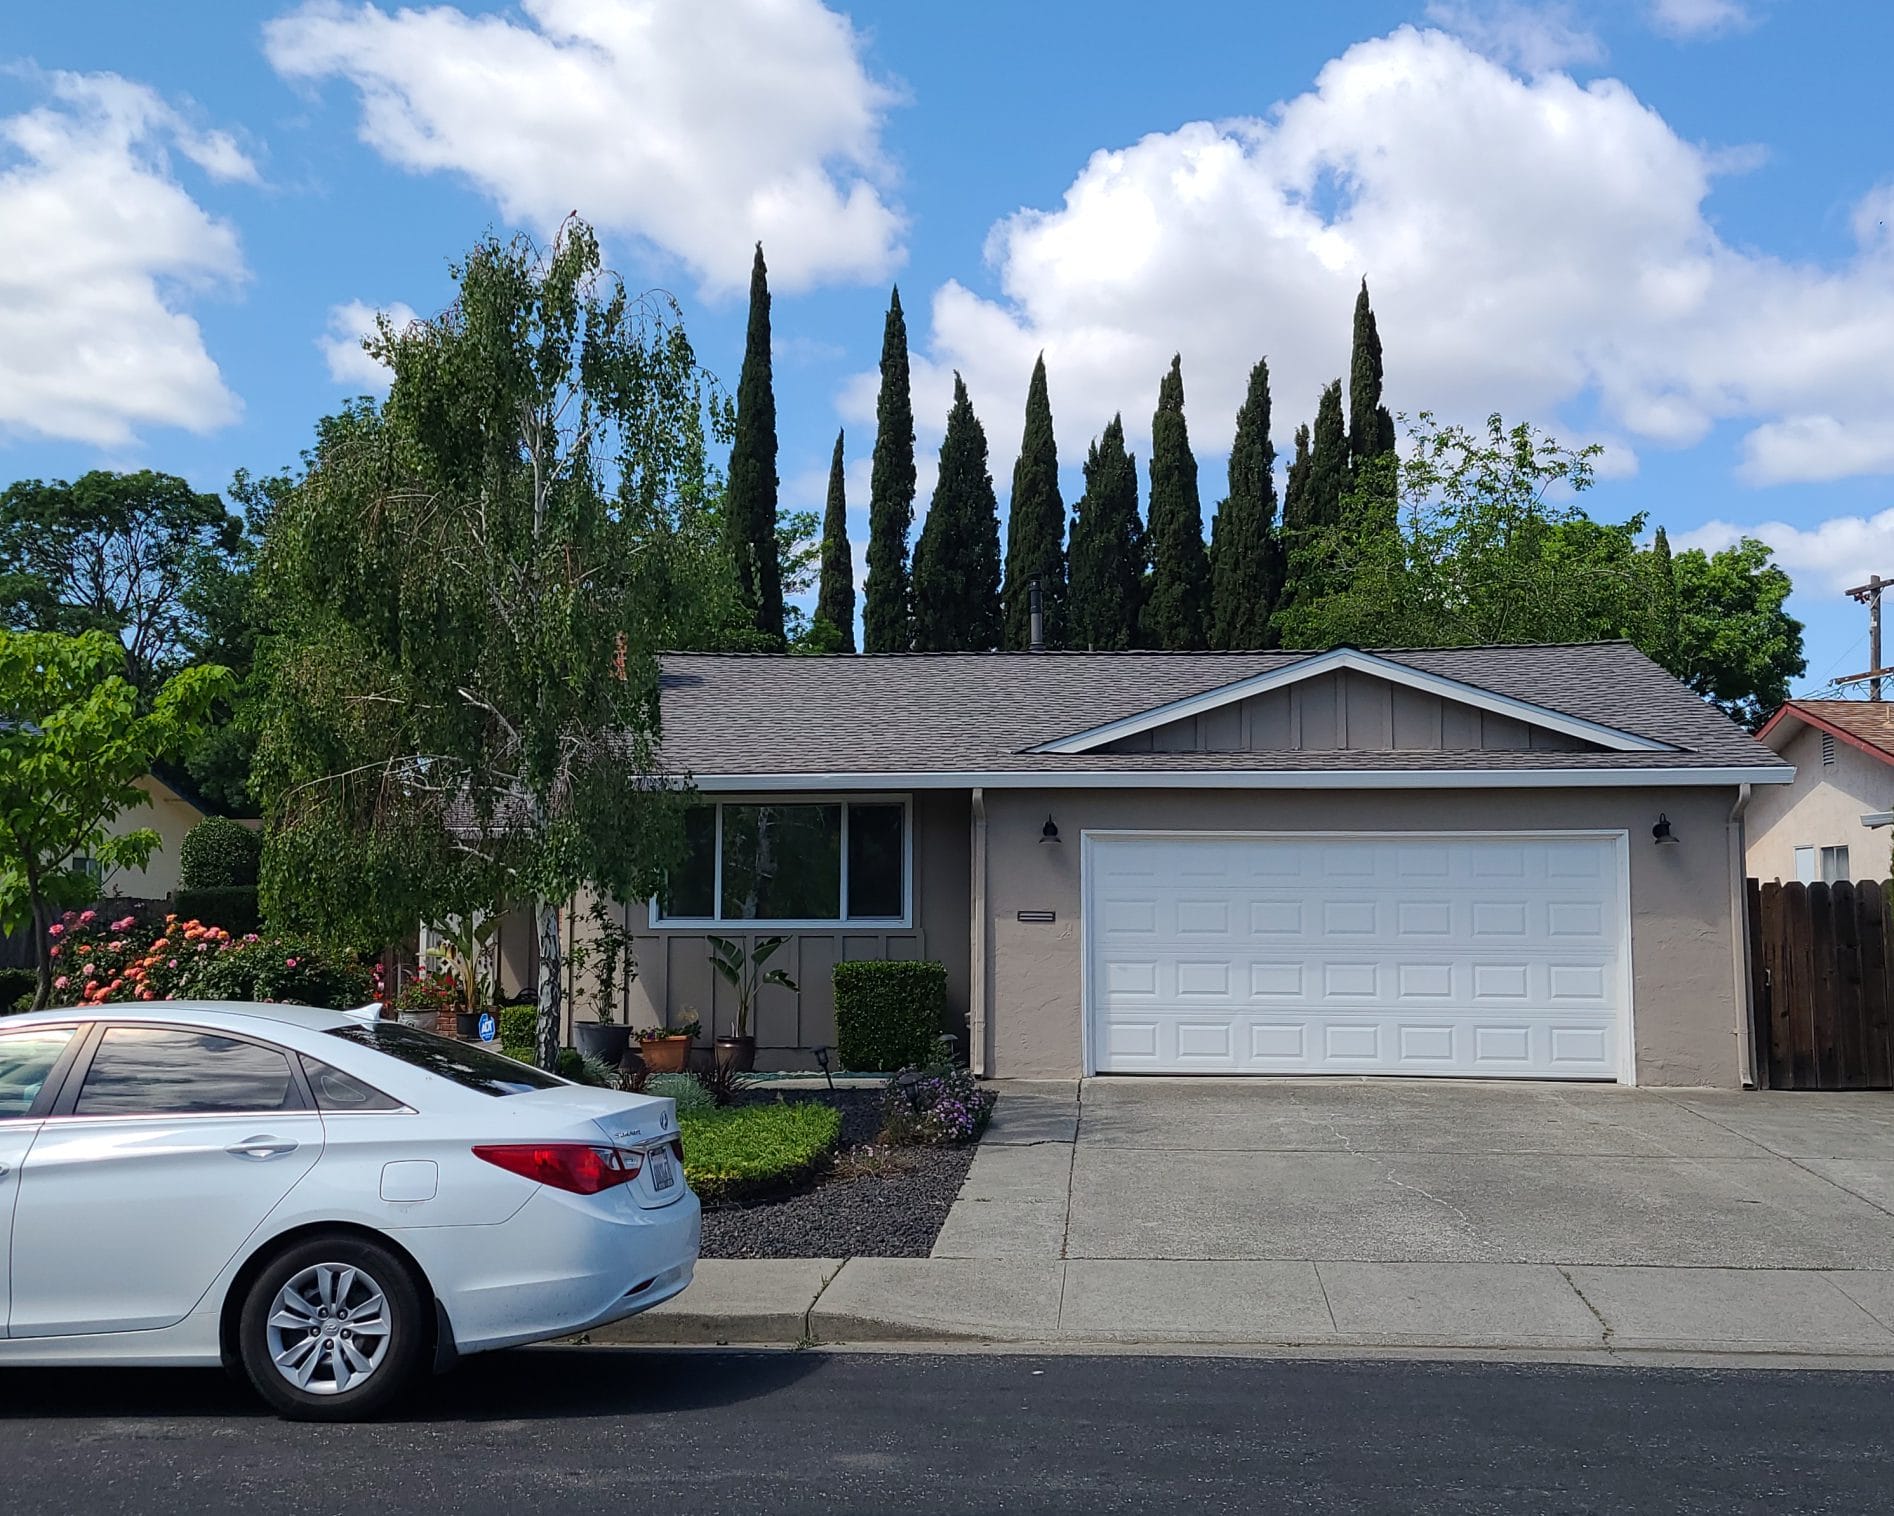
(1147, 652)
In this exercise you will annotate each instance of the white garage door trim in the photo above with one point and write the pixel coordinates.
(1091, 1001)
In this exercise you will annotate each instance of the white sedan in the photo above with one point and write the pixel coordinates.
(326, 1202)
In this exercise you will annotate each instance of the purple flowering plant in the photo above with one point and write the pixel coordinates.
(935, 1106)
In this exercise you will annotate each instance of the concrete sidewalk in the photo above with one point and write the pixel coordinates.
(1369, 1216)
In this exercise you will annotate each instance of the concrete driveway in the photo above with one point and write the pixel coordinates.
(1305, 1210)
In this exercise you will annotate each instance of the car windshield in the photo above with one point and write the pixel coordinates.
(472, 1068)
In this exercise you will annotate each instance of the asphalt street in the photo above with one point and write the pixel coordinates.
(603, 1429)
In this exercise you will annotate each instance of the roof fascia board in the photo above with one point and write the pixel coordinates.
(1318, 664)
(1810, 718)
(1248, 779)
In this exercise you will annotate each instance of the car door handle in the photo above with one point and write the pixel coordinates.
(261, 1148)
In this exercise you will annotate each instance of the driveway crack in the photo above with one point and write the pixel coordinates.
(1603, 1326)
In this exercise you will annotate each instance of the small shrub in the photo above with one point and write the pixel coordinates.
(689, 1094)
(17, 988)
(519, 1031)
(934, 1107)
(218, 853)
(231, 906)
(746, 1151)
(888, 1014)
(583, 1068)
(722, 1083)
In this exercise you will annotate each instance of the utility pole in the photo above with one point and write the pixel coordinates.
(1869, 594)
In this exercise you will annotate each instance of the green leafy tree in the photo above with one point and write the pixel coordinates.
(118, 553)
(1035, 526)
(1107, 551)
(470, 583)
(1732, 640)
(835, 601)
(1319, 479)
(1177, 600)
(74, 740)
(1245, 553)
(886, 625)
(750, 504)
(1370, 427)
(957, 561)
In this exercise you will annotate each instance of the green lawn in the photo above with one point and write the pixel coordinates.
(744, 1150)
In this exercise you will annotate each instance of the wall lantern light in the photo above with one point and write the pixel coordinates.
(1661, 834)
(1049, 833)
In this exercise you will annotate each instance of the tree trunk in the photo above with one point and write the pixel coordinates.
(549, 971)
(42, 950)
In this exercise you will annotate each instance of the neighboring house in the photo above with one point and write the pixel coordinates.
(1813, 829)
(170, 808)
(1413, 862)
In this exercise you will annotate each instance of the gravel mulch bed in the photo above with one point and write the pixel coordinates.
(877, 1203)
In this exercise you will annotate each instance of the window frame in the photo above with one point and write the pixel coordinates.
(1832, 864)
(717, 922)
(56, 1076)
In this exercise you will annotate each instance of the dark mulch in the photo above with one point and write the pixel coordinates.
(877, 1203)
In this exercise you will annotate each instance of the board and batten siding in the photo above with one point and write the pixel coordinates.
(674, 972)
(1346, 711)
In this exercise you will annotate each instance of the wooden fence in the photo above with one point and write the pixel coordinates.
(1821, 962)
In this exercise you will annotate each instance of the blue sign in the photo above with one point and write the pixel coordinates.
(489, 1025)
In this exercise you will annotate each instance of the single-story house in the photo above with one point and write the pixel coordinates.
(1478, 862)
(1831, 822)
(170, 808)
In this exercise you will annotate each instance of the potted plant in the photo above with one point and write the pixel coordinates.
(426, 1000)
(607, 953)
(465, 943)
(744, 972)
(665, 1050)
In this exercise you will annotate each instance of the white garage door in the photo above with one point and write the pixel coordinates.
(1438, 954)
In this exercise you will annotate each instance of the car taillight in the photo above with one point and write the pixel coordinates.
(575, 1167)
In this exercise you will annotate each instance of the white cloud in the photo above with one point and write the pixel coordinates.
(1829, 556)
(100, 246)
(699, 126)
(341, 345)
(1528, 37)
(1530, 243)
(1700, 18)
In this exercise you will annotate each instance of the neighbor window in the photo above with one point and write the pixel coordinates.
(1805, 865)
(814, 861)
(1834, 865)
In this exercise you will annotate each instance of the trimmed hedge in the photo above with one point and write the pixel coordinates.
(742, 1152)
(519, 1031)
(888, 1015)
(218, 853)
(233, 907)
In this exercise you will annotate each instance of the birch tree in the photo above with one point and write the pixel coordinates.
(471, 582)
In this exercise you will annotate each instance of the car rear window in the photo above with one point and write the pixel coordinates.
(470, 1067)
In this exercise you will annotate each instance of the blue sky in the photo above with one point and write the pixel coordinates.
(1660, 224)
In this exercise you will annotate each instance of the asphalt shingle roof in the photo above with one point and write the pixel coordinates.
(734, 714)
(1870, 721)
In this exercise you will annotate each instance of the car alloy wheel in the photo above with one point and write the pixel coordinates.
(329, 1329)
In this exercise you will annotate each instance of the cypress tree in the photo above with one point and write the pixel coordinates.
(957, 561)
(1246, 554)
(1663, 607)
(835, 595)
(750, 501)
(1315, 498)
(1035, 526)
(1175, 609)
(1106, 561)
(885, 617)
(1370, 427)
(1294, 531)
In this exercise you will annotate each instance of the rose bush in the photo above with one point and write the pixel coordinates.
(97, 960)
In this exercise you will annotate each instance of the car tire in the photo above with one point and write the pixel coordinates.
(333, 1329)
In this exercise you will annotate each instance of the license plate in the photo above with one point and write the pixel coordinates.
(663, 1171)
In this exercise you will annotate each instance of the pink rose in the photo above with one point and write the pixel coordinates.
(54, 930)
(251, 937)
(289, 963)
(60, 982)
(203, 947)
(85, 916)
(124, 923)
(172, 964)
(89, 970)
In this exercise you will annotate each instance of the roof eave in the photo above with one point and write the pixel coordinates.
(1246, 779)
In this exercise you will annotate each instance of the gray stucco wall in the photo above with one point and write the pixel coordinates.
(1687, 1003)
(674, 970)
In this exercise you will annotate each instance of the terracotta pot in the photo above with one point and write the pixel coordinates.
(665, 1055)
(737, 1053)
(603, 1041)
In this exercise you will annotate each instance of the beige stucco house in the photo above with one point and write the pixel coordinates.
(1831, 822)
(1477, 862)
(170, 810)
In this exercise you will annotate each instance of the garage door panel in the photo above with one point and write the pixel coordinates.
(1357, 955)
